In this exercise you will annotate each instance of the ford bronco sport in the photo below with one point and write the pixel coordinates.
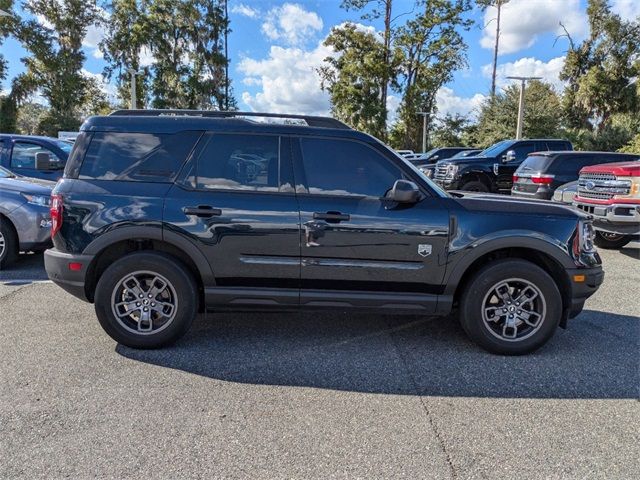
(162, 214)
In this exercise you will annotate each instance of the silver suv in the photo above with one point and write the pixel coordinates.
(25, 221)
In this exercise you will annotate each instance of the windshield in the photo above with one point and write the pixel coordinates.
(495, 149)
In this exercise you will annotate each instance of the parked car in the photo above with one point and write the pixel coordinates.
(153, 234)
(492, 169)
(611, 193)
(542, 172)
(24, 215)
(430, 168)
(33, 156)
(565, 193)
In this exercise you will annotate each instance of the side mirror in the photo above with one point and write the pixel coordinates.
(509, 157)
(404, 191)
(43, 161)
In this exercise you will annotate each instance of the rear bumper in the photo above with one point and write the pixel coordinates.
(581, 290)
(623, 218)
(56, 264)
(539, 194)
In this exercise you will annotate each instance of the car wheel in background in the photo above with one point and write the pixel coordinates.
(8, 244)
(146, 300)
(511, 307)
(611, 240)
(474, 186)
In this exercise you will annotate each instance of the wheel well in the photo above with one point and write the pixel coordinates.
(7, 221)
(544, 261)
(117, 250)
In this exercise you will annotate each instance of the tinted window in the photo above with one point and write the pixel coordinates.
(240, 162)
(342, 167)
(558, 146)
(534, 163)
(523, 150)
(571, 164)
(24, 155)
(144, 157)
(496, 148)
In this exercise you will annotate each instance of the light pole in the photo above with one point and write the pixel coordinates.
(523, 80)
(133, 73)
(424, 130)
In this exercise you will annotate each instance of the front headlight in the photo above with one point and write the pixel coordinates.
(427, 171)
(40, 200)
(452, 169)
(587, 237)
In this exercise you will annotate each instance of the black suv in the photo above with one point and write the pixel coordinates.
(492, 169)
(542, 172)
(164, 214)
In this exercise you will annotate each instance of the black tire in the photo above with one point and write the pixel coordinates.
(474, 186)
(478, 291)
(8, 244)
(611, 241)
(182, 286)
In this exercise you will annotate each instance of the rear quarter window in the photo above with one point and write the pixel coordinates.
(142, 157)
(535, 163)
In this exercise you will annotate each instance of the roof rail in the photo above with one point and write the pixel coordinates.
(312, 121)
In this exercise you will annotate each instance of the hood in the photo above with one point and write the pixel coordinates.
(494, 203)
(34, 186)
(469, 159)
(620, 169)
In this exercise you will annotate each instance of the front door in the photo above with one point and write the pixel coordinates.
(236, 200)
(352, 240)
(504, 179)
(23, 160)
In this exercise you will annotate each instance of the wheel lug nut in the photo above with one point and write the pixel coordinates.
(145, 309)
(141, 295)
(504, 310)
(519, 311)
(153, 304)
(137, 304)
(510, 316)
(149, 295)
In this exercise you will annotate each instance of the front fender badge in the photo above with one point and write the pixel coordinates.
(424, 249)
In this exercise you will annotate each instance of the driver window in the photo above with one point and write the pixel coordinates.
(24, 155)
(344, 167)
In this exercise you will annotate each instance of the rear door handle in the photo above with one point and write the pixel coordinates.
(332, 217)
(204, 211)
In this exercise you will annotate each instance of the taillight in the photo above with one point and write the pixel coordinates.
(515, 178)
(56, 214)
(542, 179)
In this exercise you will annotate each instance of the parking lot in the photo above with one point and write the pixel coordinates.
(316, 395)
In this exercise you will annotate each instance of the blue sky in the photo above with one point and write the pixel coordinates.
(276, 45)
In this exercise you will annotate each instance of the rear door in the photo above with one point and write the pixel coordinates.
(351, 240)
(235, 200)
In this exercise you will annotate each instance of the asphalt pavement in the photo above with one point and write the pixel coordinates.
(322, 395)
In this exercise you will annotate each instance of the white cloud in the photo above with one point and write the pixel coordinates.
(289, 81)
(522, 21)
(627, 9)
(528, 66)
(245, 10)
(393, 103)
(291, 24)
(449, 103)
(146, 57)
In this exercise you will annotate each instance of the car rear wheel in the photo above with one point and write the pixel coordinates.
(146, 300)
(474, 186)
(611, 241)
(511, 307)
(8, 244)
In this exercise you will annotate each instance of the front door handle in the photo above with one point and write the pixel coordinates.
(204, 211)
(332, 217)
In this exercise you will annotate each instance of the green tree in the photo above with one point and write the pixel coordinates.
(450, 131)
(6, 24)
(599, 72)
(432, 48)
(355, 78)
(498, 116)
(30, 115)
(54, 64)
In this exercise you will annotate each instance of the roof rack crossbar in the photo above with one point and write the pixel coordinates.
(311, 120)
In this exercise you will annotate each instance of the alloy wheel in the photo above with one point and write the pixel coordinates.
(144, 302)
(3, 245)
(513, 309)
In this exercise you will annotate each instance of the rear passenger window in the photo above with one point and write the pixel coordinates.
(143, 157)
(240, 162)
(571, 165)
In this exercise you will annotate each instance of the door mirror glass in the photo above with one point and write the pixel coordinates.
(509, 157)
(43, 161)
(404, 191)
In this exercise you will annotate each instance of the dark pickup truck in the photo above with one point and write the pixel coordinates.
(492, 170)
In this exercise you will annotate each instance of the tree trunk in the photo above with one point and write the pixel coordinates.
(495, 50)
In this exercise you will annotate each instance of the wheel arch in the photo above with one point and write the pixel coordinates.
(476, 175)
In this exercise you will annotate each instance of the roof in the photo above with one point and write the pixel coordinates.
(172, 121)
(578, 152)
(29, 137)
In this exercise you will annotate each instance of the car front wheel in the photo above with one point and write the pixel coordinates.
(146, 300)
(611, 241)
(511, 307)
(8, 244)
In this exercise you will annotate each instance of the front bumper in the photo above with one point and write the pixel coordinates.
(57, 265)
(584, 283)
(447, 184)
(33, 224)
(623, 218)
